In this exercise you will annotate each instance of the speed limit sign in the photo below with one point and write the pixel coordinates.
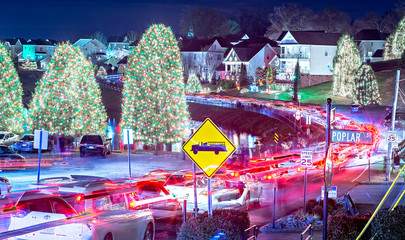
(306, 158)
(392, 136)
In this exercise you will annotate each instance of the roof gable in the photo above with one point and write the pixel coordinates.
(311, 38)
(232, 56)
(81, 42)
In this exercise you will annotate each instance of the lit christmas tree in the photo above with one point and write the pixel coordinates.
(154, 104)
(193, 84)
(395, 44)
(345, 64)
(101, 72)
(366, 87)
(68, 99)
(11, 107)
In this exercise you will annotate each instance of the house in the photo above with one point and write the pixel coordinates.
(370, 41)
(37, 49)
(91, 47)
(14, 45)
(202, 56)
(236, 38)
(314, 50)
(253, 53)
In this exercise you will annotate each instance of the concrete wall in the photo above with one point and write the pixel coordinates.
(309, 80)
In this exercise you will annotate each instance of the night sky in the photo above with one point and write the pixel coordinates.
(72, 19)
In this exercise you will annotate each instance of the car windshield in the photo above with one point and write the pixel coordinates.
(28, 138)
(91, 139)
(5, 150)
(2, 135)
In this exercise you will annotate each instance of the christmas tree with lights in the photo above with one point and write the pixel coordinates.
(67, 99)
(154, 103)
(366, 90)
(395, 44)
(345, 64)
(193, 84)
(101, 72)
(11, 107)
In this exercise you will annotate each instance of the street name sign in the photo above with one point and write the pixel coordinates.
(349, 136)
(306, 158)
(392, 136)
(209, 148)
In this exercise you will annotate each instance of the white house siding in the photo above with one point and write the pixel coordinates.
(319, 63)
(368, 47)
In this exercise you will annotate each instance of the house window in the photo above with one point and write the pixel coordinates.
(195, 56)
(326, 53)
(372, 43)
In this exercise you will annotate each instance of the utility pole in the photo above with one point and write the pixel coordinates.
(394, 110)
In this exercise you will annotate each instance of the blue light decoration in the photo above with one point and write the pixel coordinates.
(253, 88)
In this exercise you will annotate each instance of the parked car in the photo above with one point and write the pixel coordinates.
(8, 138)
(95, 144)
(9, 160)
(26, 144)
(114, 215)
(357, 108)
(5, 186)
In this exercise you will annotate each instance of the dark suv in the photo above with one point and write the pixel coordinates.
(95, 144)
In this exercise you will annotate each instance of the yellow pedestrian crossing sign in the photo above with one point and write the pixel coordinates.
(209, 148)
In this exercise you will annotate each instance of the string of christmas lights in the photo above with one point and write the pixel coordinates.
(193, 85)
(395, 43)
(366, 91)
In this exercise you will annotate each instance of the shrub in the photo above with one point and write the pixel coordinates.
(227, 84)
(389, 225)
(348, 227)
(314, 207)
(231, 222)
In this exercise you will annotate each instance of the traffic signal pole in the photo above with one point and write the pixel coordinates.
(394, 110)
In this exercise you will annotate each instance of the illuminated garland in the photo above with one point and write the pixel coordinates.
(11, 107)
(366, 91)
(345, 64)
(101, 72)
(193, 84)
(68, 99)
(154, 104)
(395, 44)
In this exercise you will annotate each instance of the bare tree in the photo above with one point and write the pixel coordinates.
(132, 36)
(373, 20)
(253, 21)
(205, 22)
(234, 27)
(100, 37)
(333, 20)
(290, 17)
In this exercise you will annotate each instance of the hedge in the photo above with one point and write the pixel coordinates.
(389, 225)
(231, 222)
(348, 227)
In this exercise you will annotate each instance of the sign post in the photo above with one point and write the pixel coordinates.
(306, 161)
(328, 170)
(129, 139)
(40, 142)
(209, 148)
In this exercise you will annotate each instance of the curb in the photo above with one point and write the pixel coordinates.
(290, 230)
(380, 183)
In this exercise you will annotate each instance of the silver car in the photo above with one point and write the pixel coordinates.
(8, 138)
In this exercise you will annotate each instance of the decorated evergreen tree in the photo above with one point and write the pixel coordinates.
(395, 44)
(297, 81)
(68, 99)
(345, 64)
(11, 107)
(154, 104)
(101, 72)
(270, 76)
(366, 90)
(193, 84)
(244, 80)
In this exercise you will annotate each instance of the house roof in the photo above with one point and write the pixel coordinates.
(124, 60)
(13, 41)
(196, 45)
(369, 34)
(234, 37)
(247, 53)
(378, 53)
(41, 41)
(82, 42)
(258, 40)
(314, 37)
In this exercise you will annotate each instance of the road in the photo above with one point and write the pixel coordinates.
(289, 190)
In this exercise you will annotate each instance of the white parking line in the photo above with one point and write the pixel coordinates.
(365, 169)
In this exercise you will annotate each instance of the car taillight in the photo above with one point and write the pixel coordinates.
(82, 145)
(79, 198)
(234, 174)
(102, 146)
(204, 193)
(189, 175)
(132, 204)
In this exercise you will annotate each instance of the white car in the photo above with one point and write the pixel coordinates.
(107, 214)
(227, 194)
(8, 138)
